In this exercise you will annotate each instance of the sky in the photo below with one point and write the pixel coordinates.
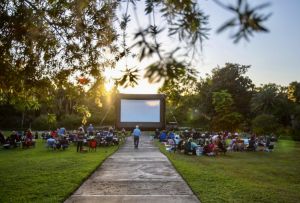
(274, 57)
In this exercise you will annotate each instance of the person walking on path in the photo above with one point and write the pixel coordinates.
(136, 136)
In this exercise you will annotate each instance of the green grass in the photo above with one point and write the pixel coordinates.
(42, 175)
(243, 176)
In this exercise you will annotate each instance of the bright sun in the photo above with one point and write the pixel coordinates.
(110, 76)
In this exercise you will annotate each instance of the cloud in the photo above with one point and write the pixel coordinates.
(152, 103)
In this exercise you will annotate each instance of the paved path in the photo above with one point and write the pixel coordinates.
(135, 175)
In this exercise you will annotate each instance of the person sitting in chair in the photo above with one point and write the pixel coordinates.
(180, 145)
(51, 142)
(269, 144)
(252, 144)
(2, 138)
(28, 139)
(64, 143)
(209, 149)
(163, 136)
(190, 147)
(221, 145)
(172, 144)
(156, 134)
(13, 139)
(110, 135)
(171, 135)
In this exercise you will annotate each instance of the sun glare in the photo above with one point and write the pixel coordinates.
(110, 76)
(109, 85)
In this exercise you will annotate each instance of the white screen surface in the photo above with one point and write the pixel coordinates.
(140, 110)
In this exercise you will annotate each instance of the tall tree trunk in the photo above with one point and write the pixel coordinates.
(67, 108)
(71, 107)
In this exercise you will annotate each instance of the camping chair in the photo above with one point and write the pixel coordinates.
(92, 145)
(51, 145)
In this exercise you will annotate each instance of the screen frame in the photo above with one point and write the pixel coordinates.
(143, 125)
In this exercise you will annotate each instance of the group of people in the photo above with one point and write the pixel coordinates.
(89, 137)
(212, 144)
(254, 143)
(55, 139)
(60, 138)
(187, 141)
(25, 139)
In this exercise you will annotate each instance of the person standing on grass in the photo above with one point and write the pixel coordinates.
(90, 130)
(80, 137)
(136, 136)
(62, 131)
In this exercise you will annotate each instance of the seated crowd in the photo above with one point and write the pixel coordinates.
(61, 138)
(211, 144)
(18, 139)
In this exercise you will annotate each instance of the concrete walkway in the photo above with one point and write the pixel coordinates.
(135, 175)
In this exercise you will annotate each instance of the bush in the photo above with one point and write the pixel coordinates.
(296, 135)
(71, 121)
(8, 122)
(264, 124)
(41, 123)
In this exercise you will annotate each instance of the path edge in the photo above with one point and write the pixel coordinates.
(92, 172)
(156, 143)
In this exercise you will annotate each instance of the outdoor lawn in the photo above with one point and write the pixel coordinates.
(243, 176)
(43, 175)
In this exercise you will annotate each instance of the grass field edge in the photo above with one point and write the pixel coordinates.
(157, 144)
(93, 171)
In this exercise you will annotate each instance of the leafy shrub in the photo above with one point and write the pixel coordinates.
(41, 123)
(264, 124)
(71, 121)
(296, 135)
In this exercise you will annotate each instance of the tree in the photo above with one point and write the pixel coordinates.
(84, 112)
(294, 92)
(180, 104)
(264, 124)
(272, 99)
(41, 38)
(231, 78)
(25, 102)
(266, 99)
(51, 120)
(46, 43)
(225, 117)
(294, 97)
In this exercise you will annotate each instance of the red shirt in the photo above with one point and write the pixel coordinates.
(29, 135)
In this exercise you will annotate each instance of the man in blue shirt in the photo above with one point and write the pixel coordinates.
(61, 131)
(171, 135)
(136, 136)
(163, 136)
(90, 130)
